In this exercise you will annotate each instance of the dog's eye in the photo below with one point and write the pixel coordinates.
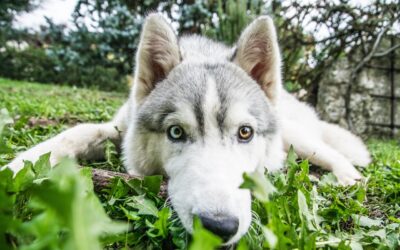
(245, 133)
(176, 133)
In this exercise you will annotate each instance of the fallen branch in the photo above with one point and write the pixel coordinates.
(102, 179)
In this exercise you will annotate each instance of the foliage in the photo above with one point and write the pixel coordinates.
(9, 8)
(31, 64)
(8, 11)
(203, 239)
(313, 35)
(290, 210)
(306, 213)
(219, 20)
(44, 208)
(34, 64)
(235, 17)
(110, 43)
(100, 55)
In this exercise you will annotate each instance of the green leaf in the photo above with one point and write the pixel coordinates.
(292, 167)
(118, 188)
(24, 178)
(270, 237)
(7, 200)
(162, 222)
(131, 215)
(364, 221)
(316, 199)
(153, 183)
(260, 186)
(291, 157)
(68, 204)
(328, 180)
(242, 245)
(203, 239)
(42, 165)
(144, 205)
(4, 120)
(381, 233)
(355, 245)
(86, 174)
(304, 212)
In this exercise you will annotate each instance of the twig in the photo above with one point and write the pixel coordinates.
(387, 52)
(371, 53)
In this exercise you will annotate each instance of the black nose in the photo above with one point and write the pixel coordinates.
(223, 226)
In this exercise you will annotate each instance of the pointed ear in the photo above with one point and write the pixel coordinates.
(158, 53)
(257, 52)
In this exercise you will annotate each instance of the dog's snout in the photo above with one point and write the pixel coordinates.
(223, 226)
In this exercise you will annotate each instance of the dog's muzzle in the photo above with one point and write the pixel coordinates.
(222, 225)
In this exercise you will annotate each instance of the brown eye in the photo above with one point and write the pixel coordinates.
(245, 133)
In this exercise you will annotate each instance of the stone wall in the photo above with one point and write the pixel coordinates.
(365, 107)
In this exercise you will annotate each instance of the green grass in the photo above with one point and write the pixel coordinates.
(302, 213)
(40, 111)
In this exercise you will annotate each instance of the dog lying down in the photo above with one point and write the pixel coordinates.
(202, 114)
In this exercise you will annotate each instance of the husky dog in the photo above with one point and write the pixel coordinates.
(202, 114)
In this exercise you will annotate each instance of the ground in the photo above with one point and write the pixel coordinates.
(290, 210)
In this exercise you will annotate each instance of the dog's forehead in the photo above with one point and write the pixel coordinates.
(193, 81)
(209, 91)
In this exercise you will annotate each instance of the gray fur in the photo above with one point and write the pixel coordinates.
(209, 90)
(187, 82)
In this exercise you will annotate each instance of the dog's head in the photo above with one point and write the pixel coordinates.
(204, 123)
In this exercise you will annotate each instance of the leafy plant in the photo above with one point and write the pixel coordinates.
(59, 66)
(305, 213)
(291, 209)
(56, 208)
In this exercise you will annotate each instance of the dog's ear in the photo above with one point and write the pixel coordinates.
(257, 52)
(158, 53)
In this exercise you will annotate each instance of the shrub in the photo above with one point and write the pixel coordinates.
(34, 64)
(30, 64)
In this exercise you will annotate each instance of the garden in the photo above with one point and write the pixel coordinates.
(57, 77)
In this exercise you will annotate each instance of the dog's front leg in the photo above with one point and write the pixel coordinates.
(84, 141)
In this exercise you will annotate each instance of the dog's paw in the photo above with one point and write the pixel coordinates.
(348, 176)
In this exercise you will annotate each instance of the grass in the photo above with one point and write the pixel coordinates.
(302, 212)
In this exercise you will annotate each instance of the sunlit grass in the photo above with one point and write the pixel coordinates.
(366, 215)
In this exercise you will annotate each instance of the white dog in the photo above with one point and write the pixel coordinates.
(202, 114)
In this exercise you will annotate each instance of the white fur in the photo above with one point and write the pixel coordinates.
(205, 175)
(84, 141)
(326, 145)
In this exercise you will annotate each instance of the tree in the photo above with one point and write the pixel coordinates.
(347, 28)
(9, 9)
(312, 35)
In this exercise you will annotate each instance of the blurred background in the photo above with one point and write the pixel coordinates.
(342, 56)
